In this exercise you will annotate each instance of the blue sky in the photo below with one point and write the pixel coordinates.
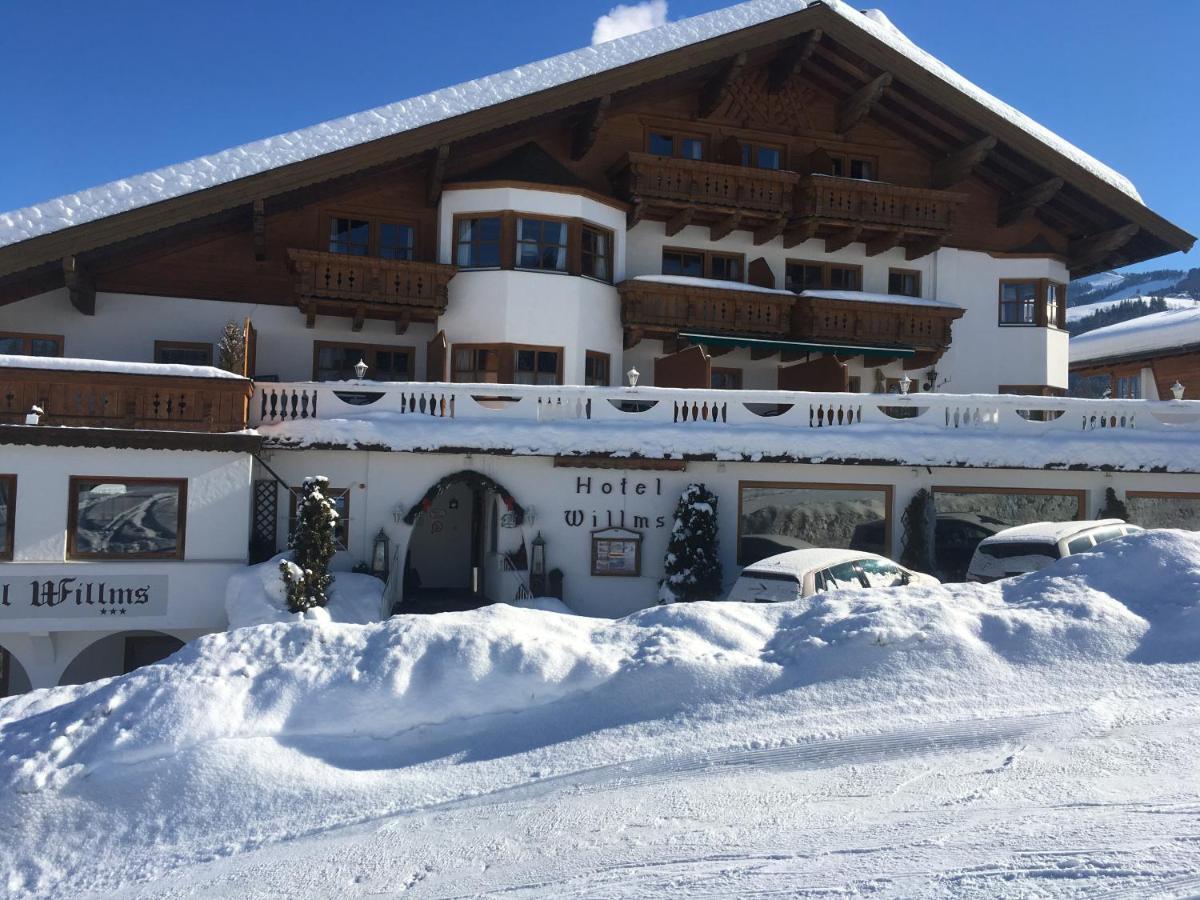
(95, 91)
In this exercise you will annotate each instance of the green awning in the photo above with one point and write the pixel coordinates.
(723, 340)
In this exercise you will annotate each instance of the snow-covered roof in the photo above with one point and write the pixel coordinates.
(67, 364)
(867, 297)
(1047, 532)
(800, 562)
(384, 121)
(1159, 331)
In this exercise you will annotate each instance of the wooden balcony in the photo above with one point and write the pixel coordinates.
(850, 202)
(662, 310)
(870, 323)
(366, 287)
(79, 397)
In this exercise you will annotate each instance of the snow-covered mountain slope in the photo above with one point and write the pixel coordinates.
(1075, 313)
(1116, 286)
(1032, 737)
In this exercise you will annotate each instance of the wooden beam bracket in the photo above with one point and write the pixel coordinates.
(884, 242)
(725, 227)
(791, 60)
(767, 233)
(680, 220)
(258, 215)
(1028, 201)
(587, 129)
(923, 247)
(858, 105)
(437, 173)
(81, 287)
(1098, 246)
(962, 162)
(716, 90)
(842, 239)
(796, 233)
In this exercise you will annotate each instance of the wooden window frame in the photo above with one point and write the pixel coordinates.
(637, 556)
(28, 337)
(676, 135)
(736, 371)
(1080, 494)
(371, 349)
(610, 236)
(73, 514)
(916, 273)
(1040, 296)
(756, 145)
(504, 241)
(507, 356)
(597, 355)
(183, 345)
(887, 490)
(8, 545)
(826, 268)
(374, 220)
(294, 494)
(707, 256)
(573, 245)
(846, 159)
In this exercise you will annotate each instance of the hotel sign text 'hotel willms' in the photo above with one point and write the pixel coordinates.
(82, 597)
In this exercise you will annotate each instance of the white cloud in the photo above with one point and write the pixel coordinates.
(622, 20)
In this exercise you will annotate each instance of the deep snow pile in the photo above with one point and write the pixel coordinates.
(256, 596)
(176, 762)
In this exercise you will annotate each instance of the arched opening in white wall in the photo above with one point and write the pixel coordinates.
(465, 548)
(119, 654)
(13, 678)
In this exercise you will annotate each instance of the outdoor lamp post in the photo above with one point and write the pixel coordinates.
(537, 566)
(379, 555)
(360, 369)
(905, 384)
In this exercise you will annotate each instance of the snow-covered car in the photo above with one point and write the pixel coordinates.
(799, 574)
(1028, 548)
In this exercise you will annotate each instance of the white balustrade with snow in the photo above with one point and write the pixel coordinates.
(278, 403)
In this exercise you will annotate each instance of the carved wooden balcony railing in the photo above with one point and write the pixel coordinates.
(337, 284)
(663, 309)
(124, 400)
(870, 323)
(876, 205)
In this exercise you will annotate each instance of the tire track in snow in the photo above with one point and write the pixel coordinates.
(821, 754)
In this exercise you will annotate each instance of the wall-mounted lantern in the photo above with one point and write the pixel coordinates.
(905, 384)
(379, 555)
(633, 375)
(360, 369)
(537, 566)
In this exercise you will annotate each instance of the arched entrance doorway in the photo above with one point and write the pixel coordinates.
(13, 678)
(458, 550)
(119, 654)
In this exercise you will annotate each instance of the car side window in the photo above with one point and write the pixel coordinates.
(1106, 534)
(1081, 544)
(844, 575)
(880, 573)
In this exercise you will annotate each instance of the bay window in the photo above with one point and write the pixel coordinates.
(478, 242)
(541, 244)
(595, 253)
(1033, 301)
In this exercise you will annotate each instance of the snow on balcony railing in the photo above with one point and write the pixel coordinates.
(696, 409)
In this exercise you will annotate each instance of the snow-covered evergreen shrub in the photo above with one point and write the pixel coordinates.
(1113, 507)
(306, 575)
(693, 566)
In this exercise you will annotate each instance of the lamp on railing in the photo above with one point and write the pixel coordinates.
(360, 369)
(34, 416)
(1177, 390)
(633, 375)
(905, 384)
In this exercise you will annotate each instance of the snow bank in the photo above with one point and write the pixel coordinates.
(1138, 600)
(106, 366)
(255, 596)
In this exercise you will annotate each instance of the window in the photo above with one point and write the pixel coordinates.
(363, 236)
(349, 236)
(534, 366)
(1161, 509)
(506, 364)
(340, 498)
(774, 517)
(542, 244)
(336, 362)
(396, 241)
(839, 577)
(881, 573)
(184, 353)
(904, 282)
(1033, 302)
(699, 264)
(684, 146)
(16, 343)
(596, 253)
(726, 379)
(597, 369)
(762, 156)
(806, 275)
(478, 242)
(1129, 387)
(126, 518)
(8, 514)
(862, 168)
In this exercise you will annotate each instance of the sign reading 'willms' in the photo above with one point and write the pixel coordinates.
(81, 598)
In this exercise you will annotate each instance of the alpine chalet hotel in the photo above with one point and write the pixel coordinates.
(776, 249)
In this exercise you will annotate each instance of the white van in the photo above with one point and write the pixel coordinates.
(1028, 548)
(798, 574)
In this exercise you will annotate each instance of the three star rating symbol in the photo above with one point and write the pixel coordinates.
(112, 612)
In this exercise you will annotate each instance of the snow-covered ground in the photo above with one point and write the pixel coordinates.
(1034, 737)
(1079, 312)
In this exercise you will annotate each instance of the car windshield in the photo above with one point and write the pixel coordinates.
(844, 575)
(881, 573)
(1013, 549)
(1107, 534)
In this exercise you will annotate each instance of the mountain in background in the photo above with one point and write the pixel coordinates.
(1110, 297)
